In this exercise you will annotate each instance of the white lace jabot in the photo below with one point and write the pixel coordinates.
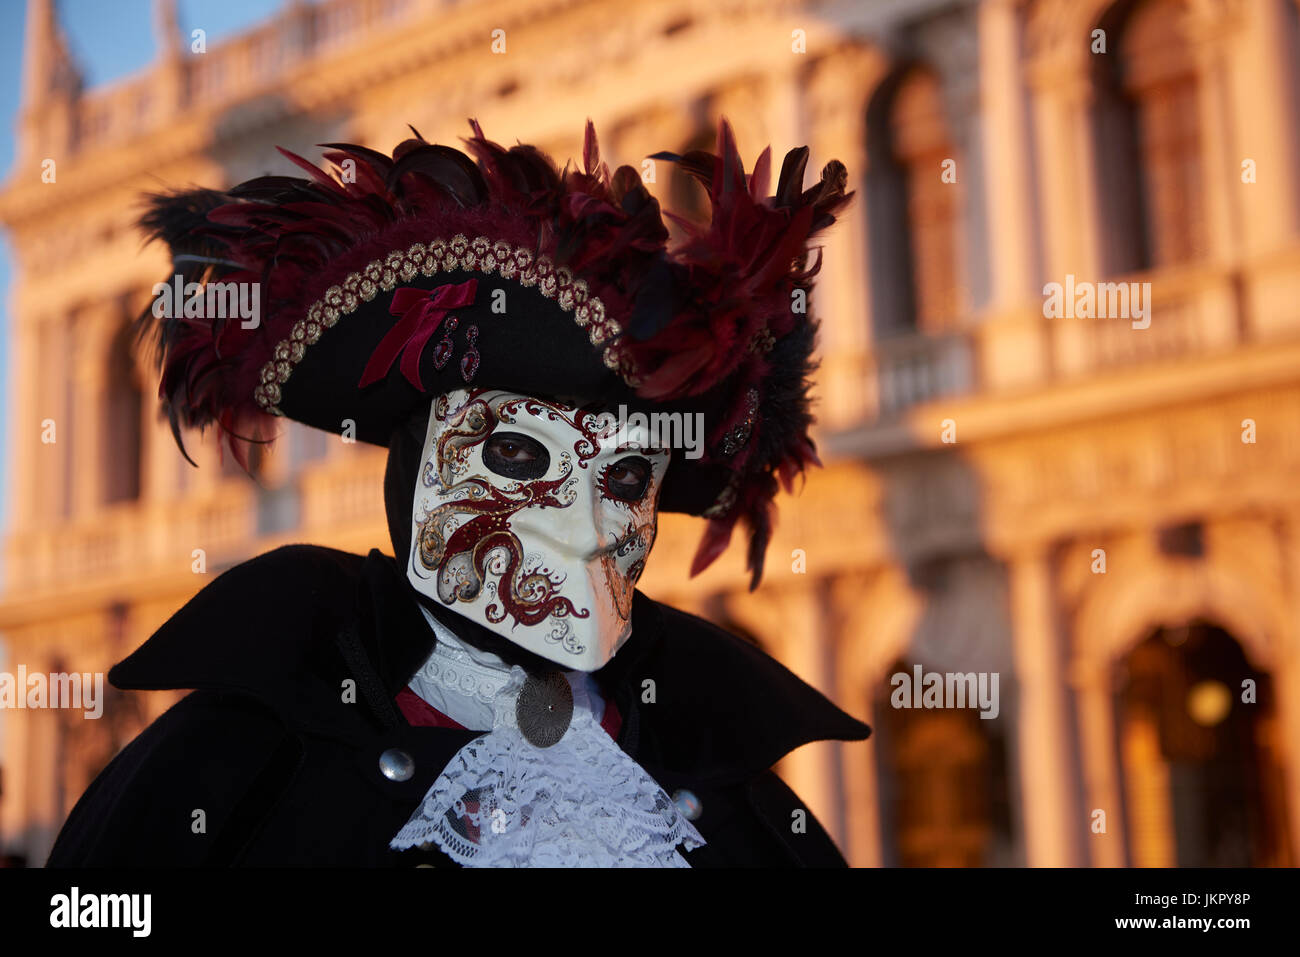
(504, 802)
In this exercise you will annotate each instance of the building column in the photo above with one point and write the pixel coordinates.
(837, 130)
(1071, 244)
(848, 605)
(1263, 109)
(1060, 98)
(1047, 795)
(89, 373)
(1220, 151)
(1007, 154)
(24, 425)
(1287, 673)
(1100, 762)
(51, 400)
(1080, 145)
(1287, 683)
(1012, 346)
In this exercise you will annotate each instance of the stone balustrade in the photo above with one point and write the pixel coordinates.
(223, 521)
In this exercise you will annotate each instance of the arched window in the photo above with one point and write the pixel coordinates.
(1202, 769)
(944, 798)
(123, 398)
(1150, 184)
(914, 209)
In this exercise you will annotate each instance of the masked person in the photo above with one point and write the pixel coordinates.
(499, 693)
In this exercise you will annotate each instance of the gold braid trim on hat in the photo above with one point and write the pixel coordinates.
(480, 255)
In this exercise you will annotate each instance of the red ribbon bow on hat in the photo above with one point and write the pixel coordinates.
(422, 312)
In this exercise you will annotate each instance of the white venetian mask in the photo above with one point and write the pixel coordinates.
(535, 518)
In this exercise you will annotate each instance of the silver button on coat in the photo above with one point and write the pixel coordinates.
(396, 765)
(688, 804)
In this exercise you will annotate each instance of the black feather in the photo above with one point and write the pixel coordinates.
(655, 304)
(789, 184)
(178, 218)
(449, 169)
(697, 163)
(381, 163)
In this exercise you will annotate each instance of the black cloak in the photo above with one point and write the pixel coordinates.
(286, 771)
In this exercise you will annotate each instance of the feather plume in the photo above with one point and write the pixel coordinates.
(745, 267)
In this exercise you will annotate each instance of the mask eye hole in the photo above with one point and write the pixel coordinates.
(516, 456)
(627, 479)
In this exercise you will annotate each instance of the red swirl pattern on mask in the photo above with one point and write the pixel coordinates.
(529, 598)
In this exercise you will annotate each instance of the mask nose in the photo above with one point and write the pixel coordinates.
(573, 531)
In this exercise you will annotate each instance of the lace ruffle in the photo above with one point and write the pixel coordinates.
(583, 802)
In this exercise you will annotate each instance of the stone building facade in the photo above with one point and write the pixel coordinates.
(1103, 512)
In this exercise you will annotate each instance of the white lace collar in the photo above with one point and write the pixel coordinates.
(502, 801)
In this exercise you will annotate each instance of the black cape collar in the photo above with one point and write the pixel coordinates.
(697, 701)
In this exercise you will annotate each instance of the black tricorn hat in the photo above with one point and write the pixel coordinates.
(391, 279)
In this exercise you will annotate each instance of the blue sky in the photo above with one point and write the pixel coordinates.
(110, 39)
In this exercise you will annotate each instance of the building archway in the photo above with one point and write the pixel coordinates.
(1116, 614)
(1201, 770)
(944, 785)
